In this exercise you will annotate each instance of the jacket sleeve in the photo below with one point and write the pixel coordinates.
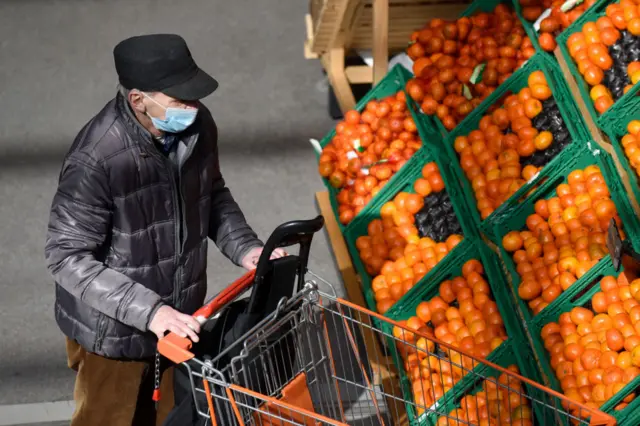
(228, 227)
(79, 224)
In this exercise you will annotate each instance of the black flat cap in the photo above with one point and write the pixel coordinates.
(161, 63)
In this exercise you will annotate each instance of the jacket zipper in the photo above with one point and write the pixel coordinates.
(178, 252)
(180, 219)
(187, 154)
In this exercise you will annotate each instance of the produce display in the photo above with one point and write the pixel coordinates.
(563, 239)
(458, 64)
(415, 232)
(367, 150)
(631, 145)
(607, 53)
(464, 316)
(512, 144)
(500, 401)
(529, 199)
(557, 21)
(595, 349)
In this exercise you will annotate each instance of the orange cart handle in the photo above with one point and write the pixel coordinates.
(177, 348)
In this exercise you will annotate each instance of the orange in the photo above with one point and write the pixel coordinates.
(422, 187)
(590, 359)
(599, 91)
(536, 77)
(624, 360)
(581, 315)
(615, 340)
(543, 140)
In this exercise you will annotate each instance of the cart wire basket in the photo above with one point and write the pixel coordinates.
(307, 364)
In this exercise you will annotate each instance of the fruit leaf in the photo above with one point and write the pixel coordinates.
(542, 17)
(467, 92)
(316, 146)
(570, 4)
(384, 160)
(476, 75)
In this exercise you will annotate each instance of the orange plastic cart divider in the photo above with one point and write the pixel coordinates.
(295, 413)
(296, 394)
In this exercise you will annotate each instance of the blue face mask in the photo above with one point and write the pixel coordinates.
(177, 119)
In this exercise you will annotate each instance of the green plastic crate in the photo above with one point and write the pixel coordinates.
(531, 31)
(591, 15)
(509, 353)
(477, 6)
(413, 171)
(577, 157)
(391, 84)
(569, 111)
(580, 295)
(406, 308)
(616, 130)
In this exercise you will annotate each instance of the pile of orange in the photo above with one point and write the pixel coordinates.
(491, 156)
(475, 327)
(499, 402)
(564, 238)
(590, 49)
(392, 250)
(555, 23)
(631, 145)
(367, 150)
(595, 352)
(445, 55)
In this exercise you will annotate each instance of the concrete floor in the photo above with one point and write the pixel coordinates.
(56, 71)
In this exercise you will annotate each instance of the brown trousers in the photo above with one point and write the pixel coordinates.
(117, 393)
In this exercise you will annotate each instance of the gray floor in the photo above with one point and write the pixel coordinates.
(56, 71)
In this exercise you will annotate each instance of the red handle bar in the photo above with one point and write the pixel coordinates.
(177, 348)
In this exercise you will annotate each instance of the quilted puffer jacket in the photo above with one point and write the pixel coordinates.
(128, 230)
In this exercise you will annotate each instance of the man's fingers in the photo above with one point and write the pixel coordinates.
(184, 330)
(175, 328)
(278, 253)
(187, 329)
(192, 334)
(190, 322)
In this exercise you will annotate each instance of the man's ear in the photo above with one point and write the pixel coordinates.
(136, 101)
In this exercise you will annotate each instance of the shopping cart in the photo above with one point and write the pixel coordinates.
(306, 363)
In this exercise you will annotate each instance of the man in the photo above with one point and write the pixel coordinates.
(140, 192)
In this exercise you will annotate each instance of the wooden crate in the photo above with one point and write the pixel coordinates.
(337, 27)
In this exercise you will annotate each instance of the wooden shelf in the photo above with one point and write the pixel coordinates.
(337, 27)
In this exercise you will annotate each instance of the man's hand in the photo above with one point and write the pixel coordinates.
(168, 319)
(250, 260)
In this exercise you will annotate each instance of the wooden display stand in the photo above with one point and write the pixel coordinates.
(337, 27)
(385, 375)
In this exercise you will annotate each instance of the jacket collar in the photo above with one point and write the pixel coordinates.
(133, 125)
